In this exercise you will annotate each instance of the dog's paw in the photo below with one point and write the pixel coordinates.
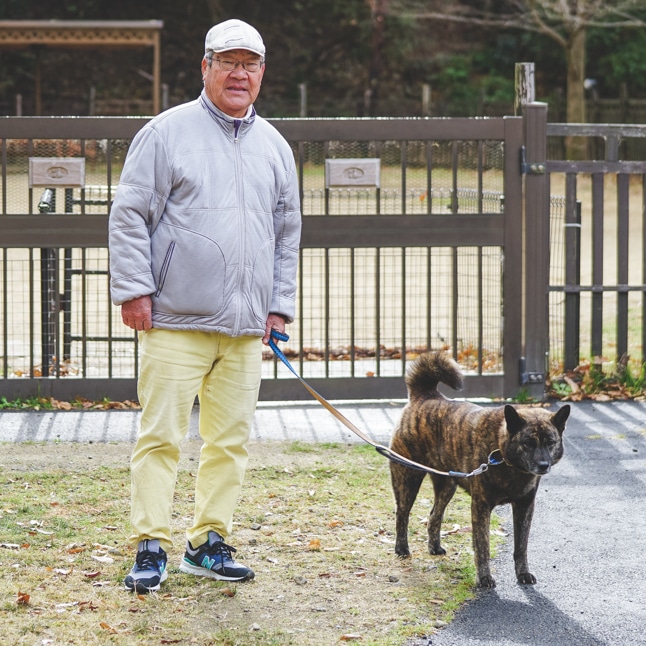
(486, 581)
(526, 578)
(436, 550)
(402, 551)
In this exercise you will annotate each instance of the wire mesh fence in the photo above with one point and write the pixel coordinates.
(597, 279)
(362, 310)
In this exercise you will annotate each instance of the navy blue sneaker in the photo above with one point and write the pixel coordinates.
(149, 569)
(214, 559)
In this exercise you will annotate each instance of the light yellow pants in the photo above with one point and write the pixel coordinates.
(224, 372)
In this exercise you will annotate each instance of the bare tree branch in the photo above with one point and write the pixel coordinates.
(542, 16)
(564, 21)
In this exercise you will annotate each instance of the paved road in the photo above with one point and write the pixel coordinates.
(588, 541)
(587, 546)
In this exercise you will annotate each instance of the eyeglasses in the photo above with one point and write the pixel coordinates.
(228, 65)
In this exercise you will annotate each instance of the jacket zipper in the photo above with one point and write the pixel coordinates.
(241, 230)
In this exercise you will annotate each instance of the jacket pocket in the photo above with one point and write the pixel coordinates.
(164, 269)
(190, 271)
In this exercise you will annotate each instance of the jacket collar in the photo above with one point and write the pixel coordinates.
(232, 125)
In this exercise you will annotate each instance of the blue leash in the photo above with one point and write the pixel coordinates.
(380, 448)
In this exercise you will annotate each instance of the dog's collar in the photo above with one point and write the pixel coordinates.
(493, 461)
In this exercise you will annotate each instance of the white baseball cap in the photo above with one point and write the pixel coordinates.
(234, 34)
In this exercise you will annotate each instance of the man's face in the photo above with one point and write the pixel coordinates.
(235, 90)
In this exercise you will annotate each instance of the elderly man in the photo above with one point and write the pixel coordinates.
(204, 237)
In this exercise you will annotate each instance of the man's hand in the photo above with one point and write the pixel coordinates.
(137, 313)
(274, 322)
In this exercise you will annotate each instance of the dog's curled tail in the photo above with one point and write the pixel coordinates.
(427, 371)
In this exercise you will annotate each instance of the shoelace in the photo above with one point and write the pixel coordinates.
(147, 560)
(221, 549)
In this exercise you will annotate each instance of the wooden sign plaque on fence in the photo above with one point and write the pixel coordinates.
(352, 172)
(68, 172)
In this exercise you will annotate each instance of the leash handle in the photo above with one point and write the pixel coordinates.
(383, 450)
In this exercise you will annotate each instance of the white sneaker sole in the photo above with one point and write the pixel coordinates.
(196, 570)
(145, 589)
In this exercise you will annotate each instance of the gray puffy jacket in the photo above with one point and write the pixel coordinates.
(206, 220)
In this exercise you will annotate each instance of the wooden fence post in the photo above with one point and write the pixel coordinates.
(524, 86)
(537, 250)
(426, 99)
(302, 92)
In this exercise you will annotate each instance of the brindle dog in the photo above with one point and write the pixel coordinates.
(458, 436)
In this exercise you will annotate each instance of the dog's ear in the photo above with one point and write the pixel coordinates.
(560, 417)
(513, 419)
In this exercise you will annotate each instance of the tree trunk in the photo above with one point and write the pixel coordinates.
(575, 58)
(378, 10)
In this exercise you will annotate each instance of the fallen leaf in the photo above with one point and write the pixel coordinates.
(574, 387)
(91, 575)
(23, 599)
(69, 604)
(10, 546)
(350, 637)
(108, 628)
(314, 545)
(454, 530)
(102, 559)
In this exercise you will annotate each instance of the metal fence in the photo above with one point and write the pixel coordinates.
(432, 256)
(597, 278)
(386, 271)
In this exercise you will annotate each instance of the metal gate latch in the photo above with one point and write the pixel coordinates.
(533, 168)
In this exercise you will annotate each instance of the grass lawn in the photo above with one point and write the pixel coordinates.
(316, 523)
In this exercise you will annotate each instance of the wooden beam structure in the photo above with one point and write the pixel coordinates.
(87, 34)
